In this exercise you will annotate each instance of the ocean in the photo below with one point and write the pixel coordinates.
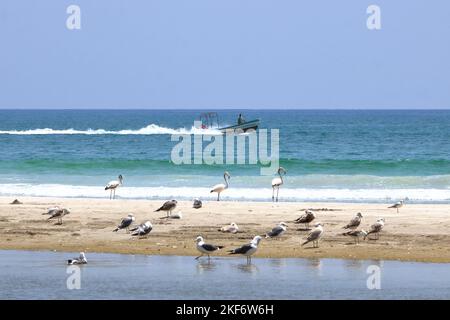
(348, 155)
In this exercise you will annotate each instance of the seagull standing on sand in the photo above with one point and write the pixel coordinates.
(80, 260)
(278, 182)
(168, 207)
(59, 214)
(232, 228)
(376, 228)
(277, 231)
(315, 235)
(142, 230)
(205, 248)
(355, 222)
(197, 203)
(125, 223)
(248, 249)
(356, 234)
(306, 218)
(112, 186)
(397, 206)
(221, 187)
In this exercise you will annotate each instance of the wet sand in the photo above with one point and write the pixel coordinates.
(420, 232)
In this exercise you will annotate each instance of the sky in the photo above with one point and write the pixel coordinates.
(216, 54)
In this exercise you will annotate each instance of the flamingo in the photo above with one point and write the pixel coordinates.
(277, 182)
(113, 185)
(221, 187)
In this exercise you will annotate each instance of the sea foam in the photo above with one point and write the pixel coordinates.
(245, 194)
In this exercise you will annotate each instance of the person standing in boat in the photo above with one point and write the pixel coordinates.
(241, 119)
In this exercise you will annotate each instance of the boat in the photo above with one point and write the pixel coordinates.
(210, 120)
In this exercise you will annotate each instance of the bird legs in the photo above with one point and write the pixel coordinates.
(218, 196)
(209, 257)
(273, 193)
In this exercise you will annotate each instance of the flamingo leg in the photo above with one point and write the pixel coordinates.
(273, 194)
(278, 190)
(218, 196)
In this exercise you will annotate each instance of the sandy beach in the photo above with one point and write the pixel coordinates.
(418, 233)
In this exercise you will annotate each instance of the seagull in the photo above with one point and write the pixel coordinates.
(168, 207)
(125, 223)
(355, 222)
(277, 231)
(112, 186)
(306, 218)
(376, 228)
(397, 206)
(178, 215)
(52, 210)
(142, 230)
(232, 228)
(197, 203)
(248, 249)
(315, 235)
(221, 187)
(278, 182)
(80, 260)
(60, 213)
(356, 234)
(205, 248)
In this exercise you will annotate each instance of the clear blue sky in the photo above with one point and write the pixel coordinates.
(224, 53)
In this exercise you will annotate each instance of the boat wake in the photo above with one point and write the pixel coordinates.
(151, 129)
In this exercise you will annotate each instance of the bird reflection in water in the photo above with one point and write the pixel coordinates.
(247, 268)
(206, 266)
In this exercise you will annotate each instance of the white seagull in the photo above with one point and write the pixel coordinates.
(112, 186)
(205, 248)
(168, 207)
(125, 223)
(397, 206)
(356, 234)
(142, 230)
(232, 228)
(315, 235)
(355, 222)
(80, 260)
(221, 187)
(278, 182)
(277, 231)
(59, 214)
(376, 228)
(248, 249)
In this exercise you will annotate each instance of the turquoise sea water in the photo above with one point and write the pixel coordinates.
(329, 155)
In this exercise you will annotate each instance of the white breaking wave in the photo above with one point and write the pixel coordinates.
(250, 194)
(148, 130)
